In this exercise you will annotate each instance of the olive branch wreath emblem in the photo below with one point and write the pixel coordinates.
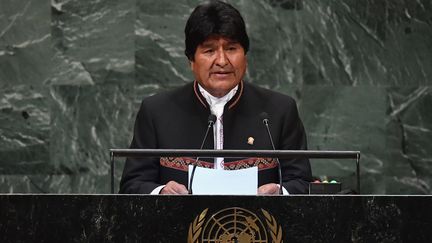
(195, 228)
(275, 231)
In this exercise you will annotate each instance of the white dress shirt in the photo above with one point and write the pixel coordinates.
(217, 108)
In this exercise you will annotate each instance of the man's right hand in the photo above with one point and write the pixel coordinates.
(173, 187)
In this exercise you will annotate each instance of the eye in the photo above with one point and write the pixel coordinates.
(208, 51)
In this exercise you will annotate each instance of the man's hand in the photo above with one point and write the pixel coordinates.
(268, 189)
(173, 187)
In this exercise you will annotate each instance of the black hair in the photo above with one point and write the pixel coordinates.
(214, 18)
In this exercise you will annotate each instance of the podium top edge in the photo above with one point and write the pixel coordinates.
(233, 153)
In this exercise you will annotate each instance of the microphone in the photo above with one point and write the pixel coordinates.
(210, 121)
(265, 120)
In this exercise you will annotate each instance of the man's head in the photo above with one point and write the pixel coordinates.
(216, 46)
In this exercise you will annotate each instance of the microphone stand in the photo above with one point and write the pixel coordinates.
(211, 121)
(266, 123)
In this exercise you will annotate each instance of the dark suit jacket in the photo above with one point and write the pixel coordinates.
(178, 120)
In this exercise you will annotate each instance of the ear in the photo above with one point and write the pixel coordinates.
(192, 65)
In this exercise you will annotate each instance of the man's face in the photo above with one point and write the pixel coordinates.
(219, 65)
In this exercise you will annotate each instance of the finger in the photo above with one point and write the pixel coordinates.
(166, 190)
(180, 189)
(268, 189)
(174, 188)
(262, 190)
(169, 188)
(273, 188)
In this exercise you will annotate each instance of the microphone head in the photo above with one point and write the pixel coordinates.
(212, 118)
(264, 117)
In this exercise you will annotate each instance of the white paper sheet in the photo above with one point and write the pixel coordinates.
(224, 182)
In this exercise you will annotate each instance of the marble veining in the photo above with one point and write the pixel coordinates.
(73, 73)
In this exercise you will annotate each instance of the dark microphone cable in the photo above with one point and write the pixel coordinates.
(265, 120)
(211, 121)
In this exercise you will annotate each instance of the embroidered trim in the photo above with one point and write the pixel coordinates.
(262, 163)
(197, 93)
(240, 92)
(182, 163)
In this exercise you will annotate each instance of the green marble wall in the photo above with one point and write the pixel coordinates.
(72, 75)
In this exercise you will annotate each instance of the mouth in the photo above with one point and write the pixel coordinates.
(221, 74)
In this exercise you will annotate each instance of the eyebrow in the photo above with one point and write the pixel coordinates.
(233, 43)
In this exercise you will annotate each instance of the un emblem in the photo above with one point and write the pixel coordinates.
(234, 225)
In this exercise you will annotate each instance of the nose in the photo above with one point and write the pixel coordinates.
(221, 59)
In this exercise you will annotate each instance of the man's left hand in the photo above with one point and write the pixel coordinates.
(268, 189)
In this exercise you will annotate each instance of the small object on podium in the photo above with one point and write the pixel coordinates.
(325, 187)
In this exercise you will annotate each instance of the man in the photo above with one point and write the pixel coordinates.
(216, 46)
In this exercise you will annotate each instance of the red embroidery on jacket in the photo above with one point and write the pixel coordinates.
(182, 163)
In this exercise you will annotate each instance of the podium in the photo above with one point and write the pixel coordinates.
(147, 218)
(211, 153)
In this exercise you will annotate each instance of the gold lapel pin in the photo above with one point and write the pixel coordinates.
(250, 140)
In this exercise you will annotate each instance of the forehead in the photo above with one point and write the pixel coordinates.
(217, 39)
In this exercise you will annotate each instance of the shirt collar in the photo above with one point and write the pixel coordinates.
(213, 101)
(217, 104)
